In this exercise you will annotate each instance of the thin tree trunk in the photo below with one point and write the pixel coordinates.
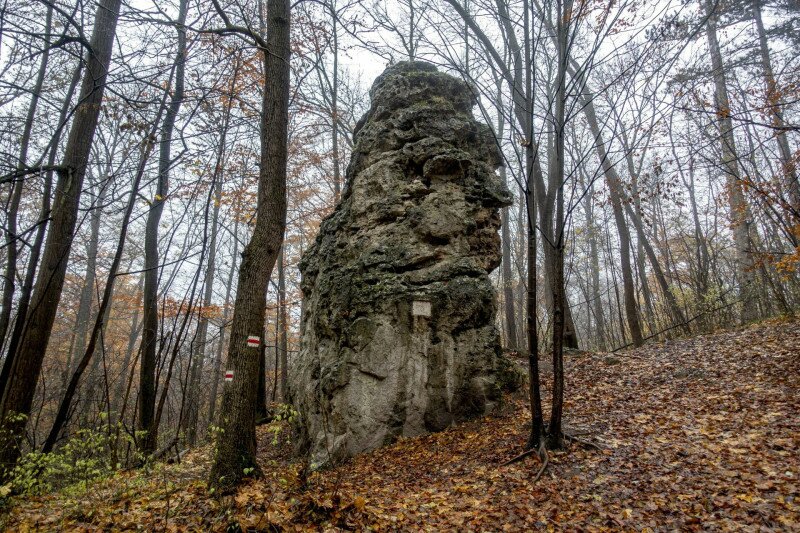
(672, 304)
(614, 184)
(199, 346)
(283, 327)
(147, 367)
(739, 211)
(133, 336)
(554, 432)
(212, 409)
(16, 193)
(507, 277)
(337, 173)
(62, 414)
(88, 289)
(261, 399)
(534, 386)
(20, 388)
(36, 250)
(594, 262)
(790, 181)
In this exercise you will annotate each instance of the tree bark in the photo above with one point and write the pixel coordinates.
(18, 394)
(235, 447)
(537, 433)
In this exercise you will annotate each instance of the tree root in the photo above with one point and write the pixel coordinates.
(540, 452)
(586, 443)
(544, 463)
(520, 457)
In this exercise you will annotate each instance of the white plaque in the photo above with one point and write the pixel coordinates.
(421, 308)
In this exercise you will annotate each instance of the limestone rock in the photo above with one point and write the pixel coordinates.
(398, 328)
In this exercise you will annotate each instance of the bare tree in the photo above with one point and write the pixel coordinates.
(18, 393)
(147, 368)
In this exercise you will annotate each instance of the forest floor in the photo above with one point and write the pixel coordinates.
(696, 434)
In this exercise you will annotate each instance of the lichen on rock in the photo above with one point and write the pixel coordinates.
(398, 333)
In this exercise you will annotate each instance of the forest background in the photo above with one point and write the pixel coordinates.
(651, 146)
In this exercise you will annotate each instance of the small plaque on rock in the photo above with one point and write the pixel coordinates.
(421, 308)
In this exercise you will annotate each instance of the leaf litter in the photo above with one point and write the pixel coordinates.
(695, 434)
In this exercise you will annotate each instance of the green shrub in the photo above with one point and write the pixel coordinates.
(84, 458)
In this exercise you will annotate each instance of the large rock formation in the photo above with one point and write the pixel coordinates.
(398, 330)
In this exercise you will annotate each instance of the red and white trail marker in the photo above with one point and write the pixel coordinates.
(253, 341)
(229, 375)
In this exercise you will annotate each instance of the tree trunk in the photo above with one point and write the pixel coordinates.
(261, 398)
(337, 173)
(36, 250)
(88, 290)
(615, 194)
(672, 304)
(16, 192)
(18, 394)
(534, 386)
(507, 277)
(235, 447)
(105, 302)
(283, 327)
(554, 432)
(594, 261)
(740, 217)
(133, 335)
(201, 340)
(147, 366)
(212, 409)
(790, 181)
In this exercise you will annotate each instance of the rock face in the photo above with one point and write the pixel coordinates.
(398, 329)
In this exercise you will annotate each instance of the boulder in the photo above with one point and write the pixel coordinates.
(398, 333)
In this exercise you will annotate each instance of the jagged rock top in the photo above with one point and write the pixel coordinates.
(412, 100)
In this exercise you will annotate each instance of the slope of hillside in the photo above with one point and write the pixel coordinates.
(696, 434)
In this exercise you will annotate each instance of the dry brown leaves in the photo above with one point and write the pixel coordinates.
(699, 434)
